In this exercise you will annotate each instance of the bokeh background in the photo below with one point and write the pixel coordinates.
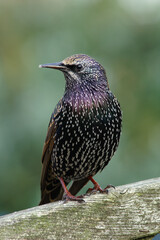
(124, 36)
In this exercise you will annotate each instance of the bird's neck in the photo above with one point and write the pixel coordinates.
(87, 96)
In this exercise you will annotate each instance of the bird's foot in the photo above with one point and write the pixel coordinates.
(97, 187)
(68, 196)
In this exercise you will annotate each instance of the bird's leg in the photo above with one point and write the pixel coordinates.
(68, 196)
(97, 187)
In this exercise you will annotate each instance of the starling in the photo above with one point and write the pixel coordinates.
(83, 132)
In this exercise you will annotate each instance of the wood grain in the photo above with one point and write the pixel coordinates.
(128, 212)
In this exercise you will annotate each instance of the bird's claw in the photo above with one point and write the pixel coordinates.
(67, 198)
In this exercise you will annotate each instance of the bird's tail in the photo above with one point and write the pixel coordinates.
(52, 192)
(78, 185)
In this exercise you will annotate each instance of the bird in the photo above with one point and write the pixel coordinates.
(83, 132)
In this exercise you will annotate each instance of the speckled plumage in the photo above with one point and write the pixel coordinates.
(84, 129)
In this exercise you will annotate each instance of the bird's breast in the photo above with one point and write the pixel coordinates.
(86, 138)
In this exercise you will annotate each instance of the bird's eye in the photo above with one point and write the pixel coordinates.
(79, 67)
(74, 67)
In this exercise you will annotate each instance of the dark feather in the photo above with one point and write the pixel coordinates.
(51, 189)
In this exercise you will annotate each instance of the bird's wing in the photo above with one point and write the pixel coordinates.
(47, 150)
(50, 185)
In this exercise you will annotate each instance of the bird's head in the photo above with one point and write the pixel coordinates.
(80, 69)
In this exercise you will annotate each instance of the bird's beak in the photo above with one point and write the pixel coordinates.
(57, 65)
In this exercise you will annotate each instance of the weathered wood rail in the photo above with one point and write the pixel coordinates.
(128, 212)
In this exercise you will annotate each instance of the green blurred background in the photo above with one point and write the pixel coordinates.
(124, 36)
